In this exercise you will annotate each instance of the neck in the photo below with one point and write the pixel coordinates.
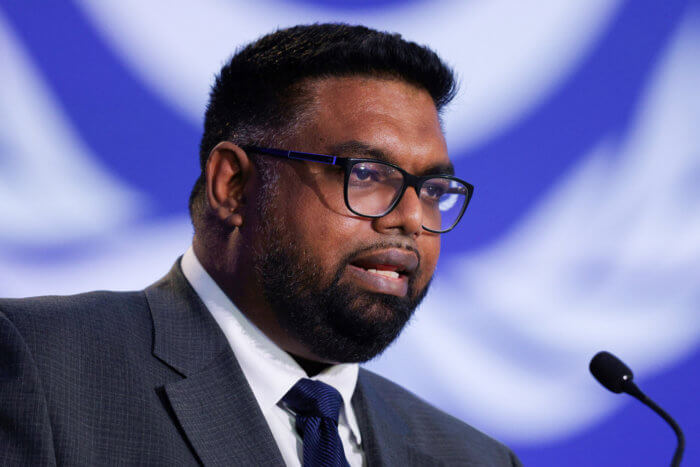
(232, 274)
(311, 367)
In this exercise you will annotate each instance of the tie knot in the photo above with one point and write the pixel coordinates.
(311, 398)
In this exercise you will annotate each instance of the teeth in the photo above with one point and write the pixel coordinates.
(392, 274)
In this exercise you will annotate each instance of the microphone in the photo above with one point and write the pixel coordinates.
(612, 373)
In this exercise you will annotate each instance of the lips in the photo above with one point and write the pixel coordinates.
(385, 271)
(402, 261)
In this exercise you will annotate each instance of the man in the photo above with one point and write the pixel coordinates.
(324, 191)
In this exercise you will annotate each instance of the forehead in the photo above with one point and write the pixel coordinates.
(396, 118)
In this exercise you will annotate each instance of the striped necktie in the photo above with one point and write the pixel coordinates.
(317, 406)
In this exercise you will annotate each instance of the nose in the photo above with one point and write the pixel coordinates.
(407, 216)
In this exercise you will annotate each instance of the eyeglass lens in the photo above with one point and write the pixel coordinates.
(373, 188)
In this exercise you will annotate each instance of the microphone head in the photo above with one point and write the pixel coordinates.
(610, 371)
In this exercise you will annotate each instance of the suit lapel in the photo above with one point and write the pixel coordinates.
(213, 403)
(385, 437)
(221, 417)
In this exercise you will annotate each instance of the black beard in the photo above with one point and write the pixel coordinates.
(337, 322)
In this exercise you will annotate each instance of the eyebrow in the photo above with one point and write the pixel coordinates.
(354, 148)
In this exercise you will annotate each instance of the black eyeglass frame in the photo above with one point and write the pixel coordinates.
(347, 163)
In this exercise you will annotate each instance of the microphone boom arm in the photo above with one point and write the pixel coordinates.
(630, 388)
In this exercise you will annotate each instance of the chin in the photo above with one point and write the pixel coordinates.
(354, 329)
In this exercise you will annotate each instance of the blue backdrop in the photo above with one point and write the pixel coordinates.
(577, 122)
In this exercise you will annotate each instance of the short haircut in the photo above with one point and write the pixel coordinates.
(259, 93)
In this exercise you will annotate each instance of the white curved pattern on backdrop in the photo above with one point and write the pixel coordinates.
(53, 191)
(508, 54)
(610, 260)
(51, 187)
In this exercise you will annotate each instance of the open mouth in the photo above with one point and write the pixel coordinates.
(386, 271)
(394, 262)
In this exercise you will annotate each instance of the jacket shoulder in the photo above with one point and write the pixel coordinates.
(94, 317)
(55, 304)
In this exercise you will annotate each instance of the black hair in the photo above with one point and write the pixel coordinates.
(259, 91)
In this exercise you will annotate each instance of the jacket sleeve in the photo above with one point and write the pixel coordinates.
(25, 429)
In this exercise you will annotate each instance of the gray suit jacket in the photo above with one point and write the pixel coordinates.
(148, 378)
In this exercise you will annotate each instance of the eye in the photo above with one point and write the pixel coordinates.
(434, 191)
(366, 173)
(363, 173)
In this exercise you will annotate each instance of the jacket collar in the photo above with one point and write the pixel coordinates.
(186, 336)
(212, 403)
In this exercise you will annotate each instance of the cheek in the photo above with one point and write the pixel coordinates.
(429, 247)
(325, 235)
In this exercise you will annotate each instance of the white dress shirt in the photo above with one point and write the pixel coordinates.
(271, 372)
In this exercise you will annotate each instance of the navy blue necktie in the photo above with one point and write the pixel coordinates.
(317, 406)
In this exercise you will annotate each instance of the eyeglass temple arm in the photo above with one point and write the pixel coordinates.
(303, 156)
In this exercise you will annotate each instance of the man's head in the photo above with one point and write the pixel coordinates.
(277, 234)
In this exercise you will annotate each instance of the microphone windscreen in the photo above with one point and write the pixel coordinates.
(610, 371)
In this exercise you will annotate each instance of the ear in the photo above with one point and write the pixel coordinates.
(227, 173)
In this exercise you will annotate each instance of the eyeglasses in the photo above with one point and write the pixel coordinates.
(374, 188)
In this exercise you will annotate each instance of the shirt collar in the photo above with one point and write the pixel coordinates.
(271, 372)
